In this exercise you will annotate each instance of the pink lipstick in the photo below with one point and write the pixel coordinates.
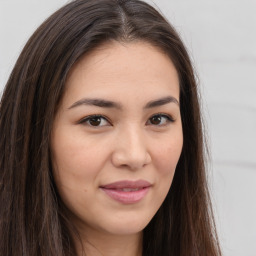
(127, 192)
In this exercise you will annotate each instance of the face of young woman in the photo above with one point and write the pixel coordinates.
(117, 137)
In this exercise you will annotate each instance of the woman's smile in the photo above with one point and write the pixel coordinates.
(127, 191)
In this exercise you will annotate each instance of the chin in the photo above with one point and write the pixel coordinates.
(125, 230)
(127, 226)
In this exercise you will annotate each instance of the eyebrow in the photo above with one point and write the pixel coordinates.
(161, 102)
(96, 102)
(110, 104)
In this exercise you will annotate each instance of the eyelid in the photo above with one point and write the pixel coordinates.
(168, 116)
(86, 118)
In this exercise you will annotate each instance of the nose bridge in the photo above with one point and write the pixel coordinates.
(131, 149)
(135, 139)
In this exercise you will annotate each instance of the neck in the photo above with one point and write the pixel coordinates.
(104, 244)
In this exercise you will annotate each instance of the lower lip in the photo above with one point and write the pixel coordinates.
(126, 197)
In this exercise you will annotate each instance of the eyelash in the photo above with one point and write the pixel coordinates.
(88, 118)
(169, 119)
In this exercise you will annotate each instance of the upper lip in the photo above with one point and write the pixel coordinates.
(127, 184)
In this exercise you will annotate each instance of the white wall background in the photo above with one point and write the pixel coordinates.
(221, 38)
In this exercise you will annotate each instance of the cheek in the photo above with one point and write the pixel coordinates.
(165, 161)
(75, 170)
(75, 157)
(167, 156)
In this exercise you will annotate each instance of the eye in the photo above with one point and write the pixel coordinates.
(160, 120)
(95, 121)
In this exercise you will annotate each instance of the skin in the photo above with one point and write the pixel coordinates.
(130, 142)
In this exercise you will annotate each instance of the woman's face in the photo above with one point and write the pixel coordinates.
(117, 137)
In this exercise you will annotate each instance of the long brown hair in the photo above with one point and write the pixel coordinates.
(33, 221)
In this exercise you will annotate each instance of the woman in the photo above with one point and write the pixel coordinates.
(101, 139)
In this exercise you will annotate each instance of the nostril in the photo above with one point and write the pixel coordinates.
(132, 161)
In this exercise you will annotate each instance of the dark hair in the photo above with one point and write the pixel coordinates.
(33, 220)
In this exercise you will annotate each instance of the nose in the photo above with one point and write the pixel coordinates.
(131, 149)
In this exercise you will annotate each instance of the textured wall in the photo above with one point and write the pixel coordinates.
(221, 37)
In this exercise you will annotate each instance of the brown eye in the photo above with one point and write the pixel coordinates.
(95, 121)
(160, 120)
(156, 120)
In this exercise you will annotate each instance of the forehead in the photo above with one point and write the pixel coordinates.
(121, 69)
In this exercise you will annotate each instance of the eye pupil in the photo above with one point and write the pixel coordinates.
(95, 121)
(156, 120)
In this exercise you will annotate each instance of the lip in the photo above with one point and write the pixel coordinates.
(127, 192)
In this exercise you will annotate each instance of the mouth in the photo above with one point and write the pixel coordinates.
(127, 192)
